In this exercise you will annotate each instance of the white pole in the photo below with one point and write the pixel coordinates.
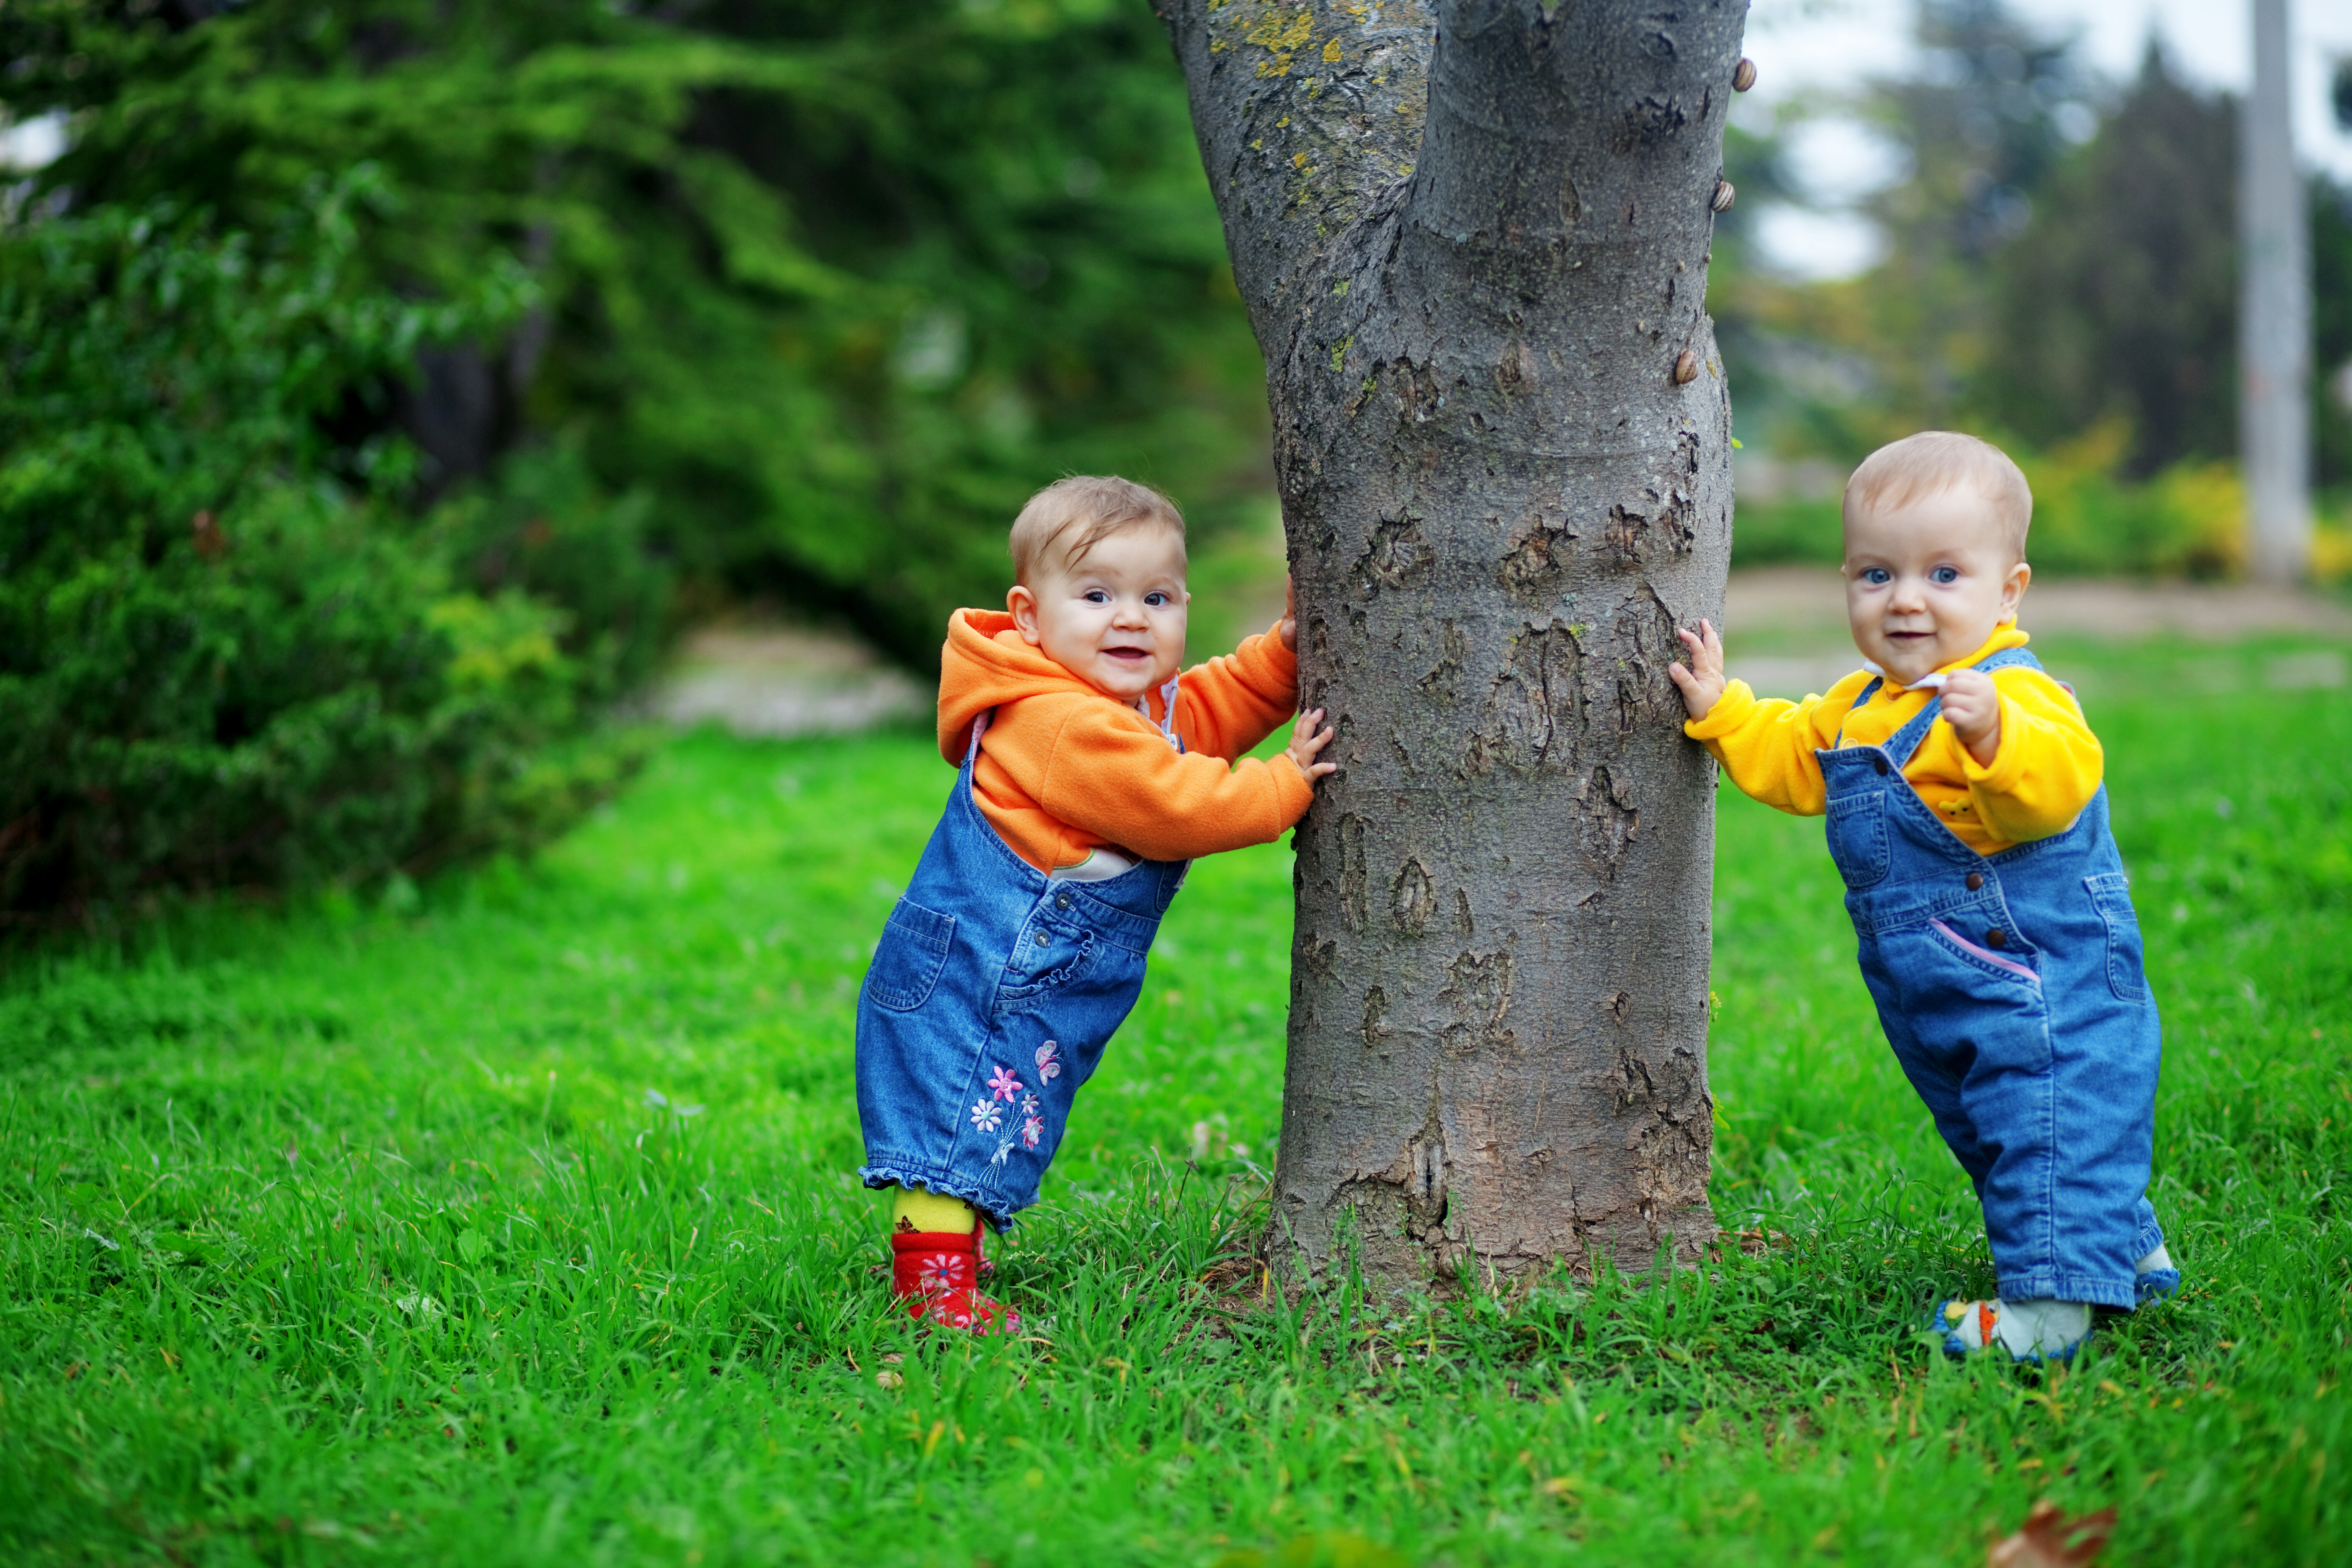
(2274, 314)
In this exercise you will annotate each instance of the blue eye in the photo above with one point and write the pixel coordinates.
(1946, 576)
(1877, 577)
(1097, 596)
(1156, 601)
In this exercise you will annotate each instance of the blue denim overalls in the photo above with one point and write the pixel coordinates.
(988, 1003)
(2012, 988)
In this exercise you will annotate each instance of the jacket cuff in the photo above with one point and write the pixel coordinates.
(1731, 710)
(2006, 772)
(1265, 650)
(1293, 789)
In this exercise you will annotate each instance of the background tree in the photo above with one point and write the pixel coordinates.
(2331, 332)
(1474, 242)
(1981, 131)
(2119, 299)
(806, 298)
(227, 656)
(833, 288)
(2059, 276)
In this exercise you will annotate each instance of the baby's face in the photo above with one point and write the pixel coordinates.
(1116, 618)
(1928, 583)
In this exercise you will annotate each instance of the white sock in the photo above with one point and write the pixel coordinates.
(2046, 1326)
(2155, 1260)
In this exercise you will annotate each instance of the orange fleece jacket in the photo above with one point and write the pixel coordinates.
(2044, 772)
(1065, 766)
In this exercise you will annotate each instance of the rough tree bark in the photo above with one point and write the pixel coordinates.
(1474, 240)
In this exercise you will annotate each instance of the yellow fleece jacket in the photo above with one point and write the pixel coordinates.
(2046, 769)
(1063, 766)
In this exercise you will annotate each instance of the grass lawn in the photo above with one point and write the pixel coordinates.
(512, 1222)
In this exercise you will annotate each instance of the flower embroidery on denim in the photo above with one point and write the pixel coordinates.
(984, 1116)
(1004, 1147)
(1028, 1105)
(1031, 1130)
(1003, 1086)
(1049, 1061)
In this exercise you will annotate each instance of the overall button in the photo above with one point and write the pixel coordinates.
(1062, 901)
(1975, 880)
(1878, 767)
(1996, 937)
(1043, 939)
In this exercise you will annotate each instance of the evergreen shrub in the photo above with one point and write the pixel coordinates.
(835, 287)
(228, 657)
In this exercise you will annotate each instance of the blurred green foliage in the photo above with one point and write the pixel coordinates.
(2090, 517)
(630, 314)
(834, 288)
(2119, 299)
(2331, 334)
(2061, 278)
(487, 340)
(226, 657)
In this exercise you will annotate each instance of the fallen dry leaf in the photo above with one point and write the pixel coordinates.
(2051, 1540)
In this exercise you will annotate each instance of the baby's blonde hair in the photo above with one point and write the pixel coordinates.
(1069, 517)
(1933, 462)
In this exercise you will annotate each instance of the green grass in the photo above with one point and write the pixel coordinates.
(352, 1233)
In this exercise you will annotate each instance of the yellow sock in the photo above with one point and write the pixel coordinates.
(917, 1208)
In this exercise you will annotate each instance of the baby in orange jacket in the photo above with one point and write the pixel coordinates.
(1090, 772)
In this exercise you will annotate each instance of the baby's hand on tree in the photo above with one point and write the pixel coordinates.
(1287, 629)
(1972, 708)
(1702, 679)
(1305, 743)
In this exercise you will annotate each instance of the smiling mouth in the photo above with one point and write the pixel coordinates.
(1131, 655)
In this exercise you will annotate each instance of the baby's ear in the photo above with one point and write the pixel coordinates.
(1022, 605)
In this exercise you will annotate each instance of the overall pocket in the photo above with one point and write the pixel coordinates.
(1858, 830)
(1965, 1005)
(913, 953)
(1983, 957)
(1051, 953)
(2126, 960)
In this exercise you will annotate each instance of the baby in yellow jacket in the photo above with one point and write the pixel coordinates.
(1968, 817)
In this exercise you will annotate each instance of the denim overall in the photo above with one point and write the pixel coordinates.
(989, 1002)
(2012, 988)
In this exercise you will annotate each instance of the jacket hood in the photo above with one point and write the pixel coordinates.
(986, 664)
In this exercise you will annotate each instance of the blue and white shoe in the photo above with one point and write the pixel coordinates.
(2156, 1278)
(2038, 1332)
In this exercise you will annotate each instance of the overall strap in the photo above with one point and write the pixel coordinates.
(1168, 695)
(1908, 739)
(1867, 693)
(2009, 658)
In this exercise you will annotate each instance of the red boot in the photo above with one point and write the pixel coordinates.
(937, 1274)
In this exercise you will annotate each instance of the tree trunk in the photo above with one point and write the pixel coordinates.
(1474, 240)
